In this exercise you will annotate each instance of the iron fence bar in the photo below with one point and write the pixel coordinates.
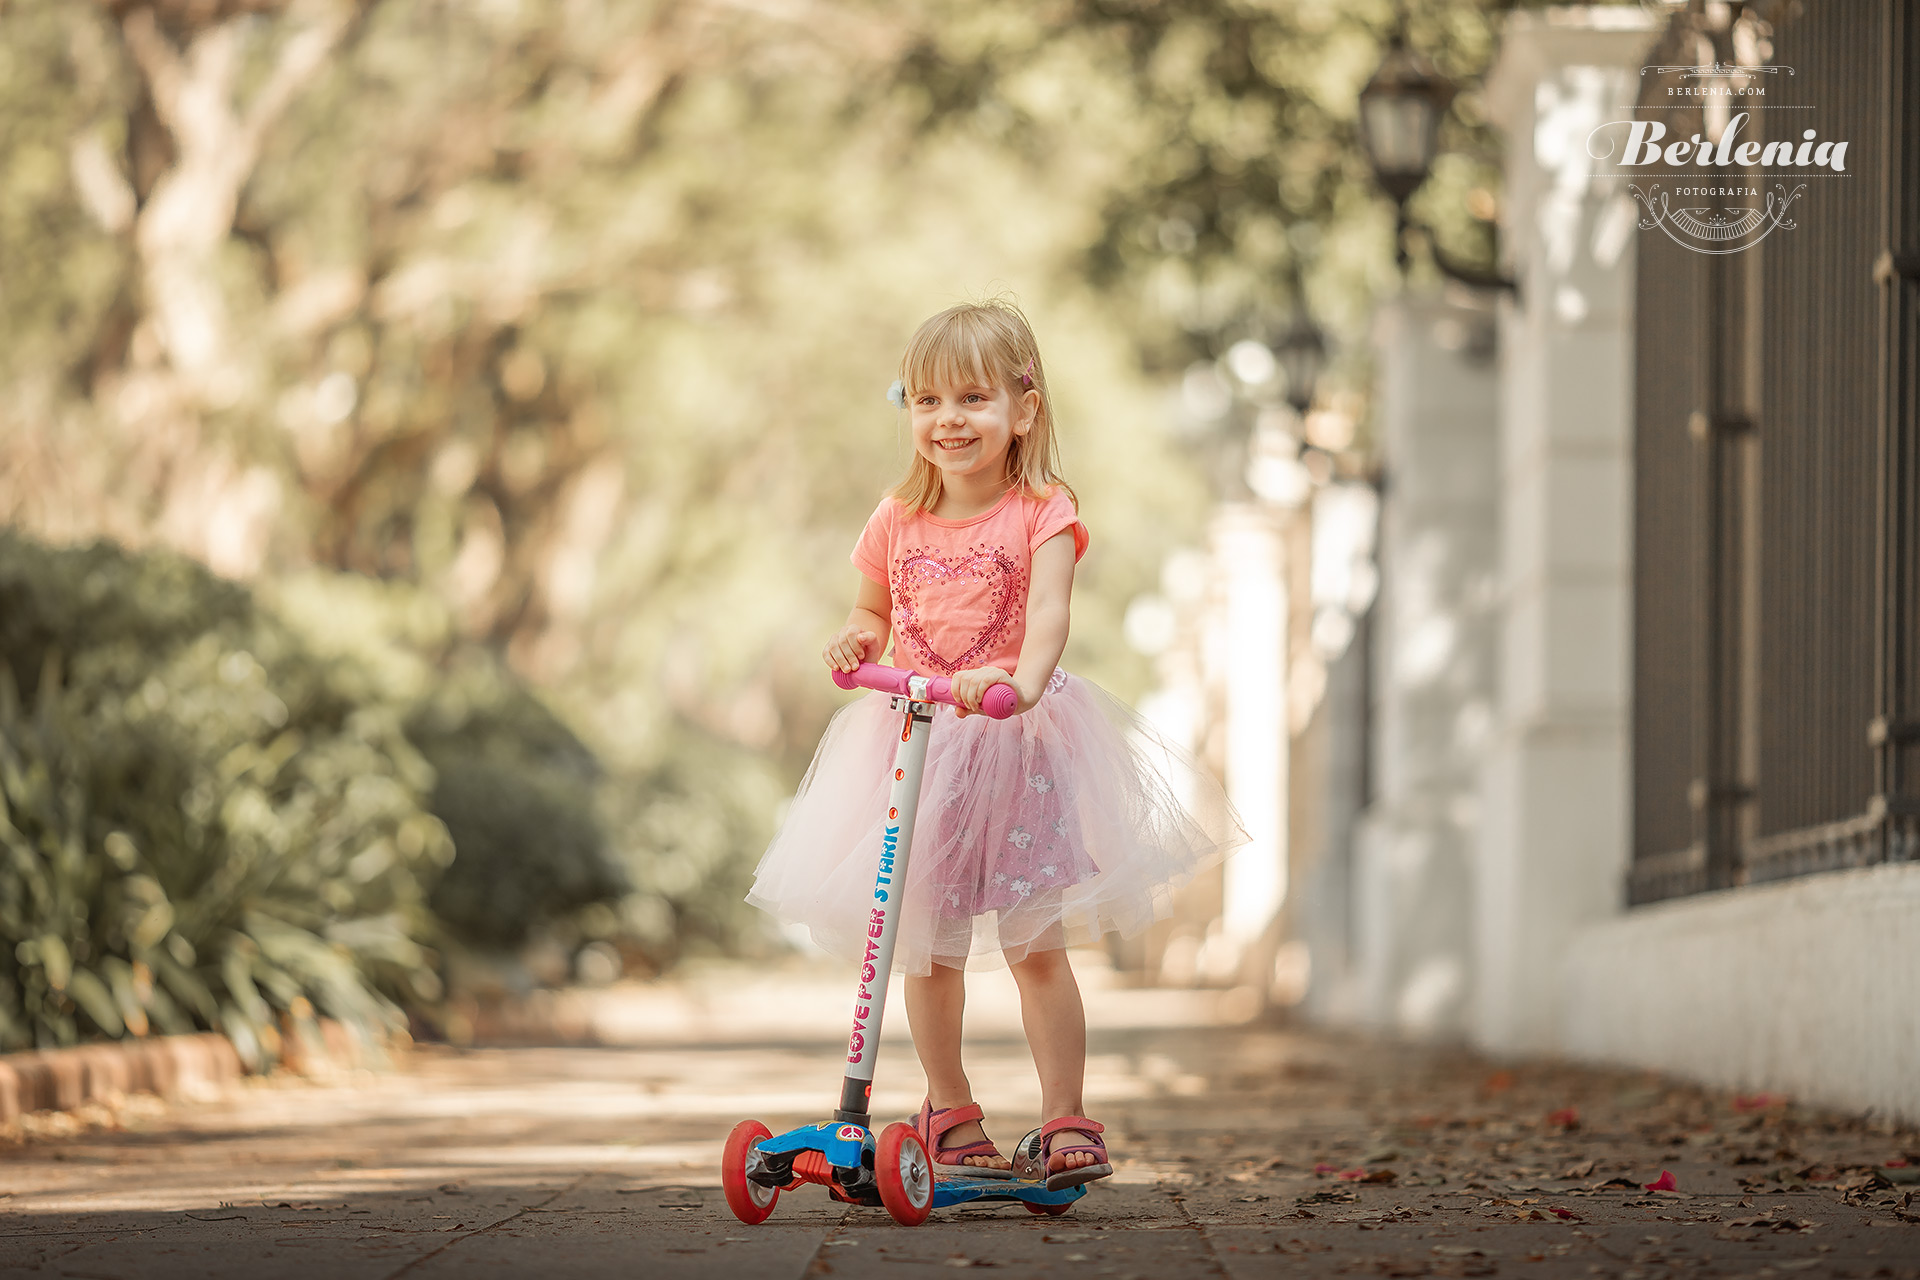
(1894, 731)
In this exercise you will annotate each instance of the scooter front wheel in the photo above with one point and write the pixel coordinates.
(905, 1174)
(750, 1202)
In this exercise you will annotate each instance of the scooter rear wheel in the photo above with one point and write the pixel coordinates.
(750, 1202)
(1051, 1210)
(905, 1175)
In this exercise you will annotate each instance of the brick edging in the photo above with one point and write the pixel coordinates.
(62, 1079)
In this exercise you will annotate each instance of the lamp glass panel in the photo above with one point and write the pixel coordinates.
(1399, 132)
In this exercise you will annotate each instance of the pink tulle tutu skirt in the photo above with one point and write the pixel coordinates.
(1040, 831)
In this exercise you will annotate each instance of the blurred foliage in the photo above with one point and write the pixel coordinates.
(1248, 195)
(519, 793)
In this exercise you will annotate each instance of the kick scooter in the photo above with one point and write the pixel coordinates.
(843, 1154)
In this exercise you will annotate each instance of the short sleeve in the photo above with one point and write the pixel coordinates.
(1054, 515)
(871, 552)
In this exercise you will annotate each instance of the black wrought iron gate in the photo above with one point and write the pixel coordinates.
(1776, 686)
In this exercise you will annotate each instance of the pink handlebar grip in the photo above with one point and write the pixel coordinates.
(999, 702)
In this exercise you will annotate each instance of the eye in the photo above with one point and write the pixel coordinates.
(973, 396)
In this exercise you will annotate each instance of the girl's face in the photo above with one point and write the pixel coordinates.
(965, 429)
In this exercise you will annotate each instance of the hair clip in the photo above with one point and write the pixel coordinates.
(897, 394)
(1026, 374)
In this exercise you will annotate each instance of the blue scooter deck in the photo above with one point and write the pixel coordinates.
(949, 1191)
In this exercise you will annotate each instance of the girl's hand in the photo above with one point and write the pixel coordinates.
(969, 687)
(851, 645)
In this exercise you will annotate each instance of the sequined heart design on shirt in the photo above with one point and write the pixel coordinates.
(924, 567)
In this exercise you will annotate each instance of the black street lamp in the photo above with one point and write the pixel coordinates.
(1400, 110)
(1301, 353)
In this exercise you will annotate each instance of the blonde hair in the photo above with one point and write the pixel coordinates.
(989, 342)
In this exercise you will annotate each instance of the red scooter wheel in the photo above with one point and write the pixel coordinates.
(905, 1175)
(750, 1202)
(1051, 1210)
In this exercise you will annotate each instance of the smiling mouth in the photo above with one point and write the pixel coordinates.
(952, 445)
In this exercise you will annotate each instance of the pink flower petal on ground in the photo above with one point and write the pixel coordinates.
(1558, 1212)
(1352, 1175)
(1664, 1182)
(1756, 1101)
(1326, 1168)
(1564, 1118)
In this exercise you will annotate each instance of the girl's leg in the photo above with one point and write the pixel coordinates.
(934, 1007)
(1056, 1025)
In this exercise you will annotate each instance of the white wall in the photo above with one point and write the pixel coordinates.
(1553, 781)
(1433, 649)
(1808, 987)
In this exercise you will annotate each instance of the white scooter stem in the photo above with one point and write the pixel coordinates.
(889, 894)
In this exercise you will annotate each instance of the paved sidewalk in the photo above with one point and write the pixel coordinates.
(603, 1161)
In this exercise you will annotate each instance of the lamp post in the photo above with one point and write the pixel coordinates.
(1400, 110)
(1301, 353)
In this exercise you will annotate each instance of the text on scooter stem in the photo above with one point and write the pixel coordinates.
(885, 877)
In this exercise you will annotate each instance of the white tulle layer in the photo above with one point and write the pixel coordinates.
(1041, 831)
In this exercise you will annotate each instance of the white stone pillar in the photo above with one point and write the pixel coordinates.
(1432, 668)
(1247, 550)
(1554, 835)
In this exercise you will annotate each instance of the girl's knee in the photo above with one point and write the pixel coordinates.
(1040, 965)
(941, 976)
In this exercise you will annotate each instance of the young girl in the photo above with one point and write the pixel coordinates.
(1036, 832)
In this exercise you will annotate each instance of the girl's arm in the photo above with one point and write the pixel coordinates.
(864, 638)
(1048, 600)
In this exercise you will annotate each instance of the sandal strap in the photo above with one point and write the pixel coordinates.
(1079, 1124)
(938, 1122)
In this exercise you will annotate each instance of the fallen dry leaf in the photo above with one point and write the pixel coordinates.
(1297, 1245)
(1368, 1175)
(1617, 1181)
(1581, 1169)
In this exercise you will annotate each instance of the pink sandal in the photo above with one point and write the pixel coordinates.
(1033, 1158)
(931, 1125)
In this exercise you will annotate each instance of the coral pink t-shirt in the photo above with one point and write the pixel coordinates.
(959, 587)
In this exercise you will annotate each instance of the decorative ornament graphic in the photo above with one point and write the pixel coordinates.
(1708, 230)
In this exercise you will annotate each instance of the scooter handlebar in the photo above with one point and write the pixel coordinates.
(999, 702)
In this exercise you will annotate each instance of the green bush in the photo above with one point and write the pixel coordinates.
(518, 789)
(521, 794)
(200, 828)
(690, 830)
(233, 812)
